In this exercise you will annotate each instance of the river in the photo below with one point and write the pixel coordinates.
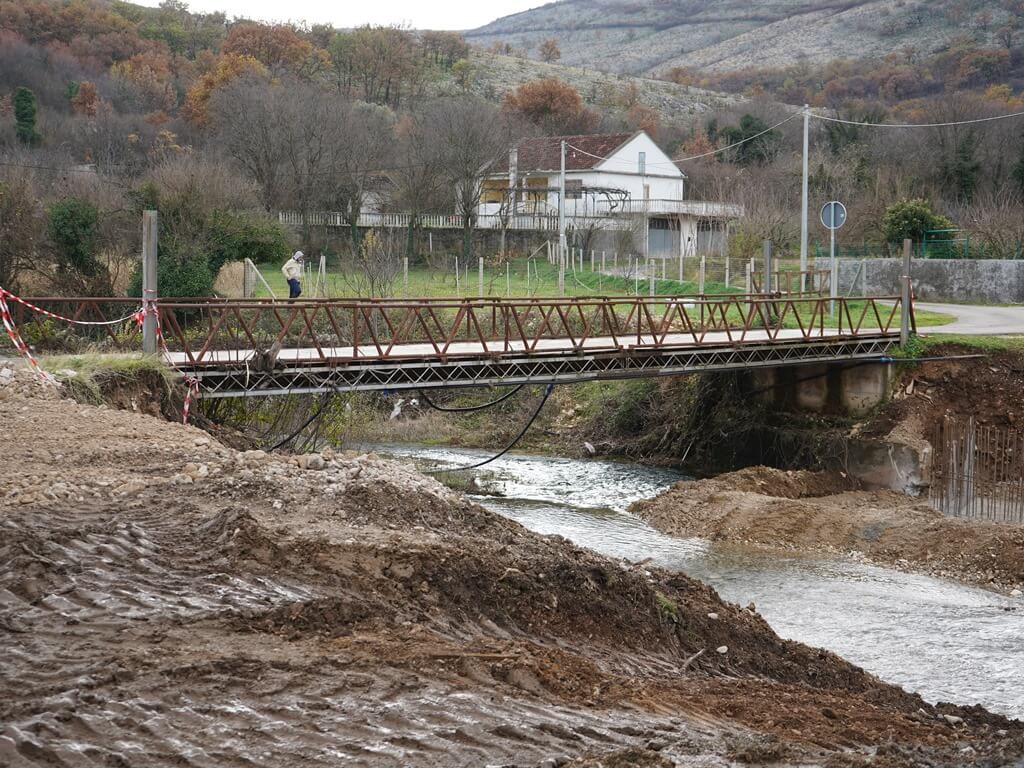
(946, 641)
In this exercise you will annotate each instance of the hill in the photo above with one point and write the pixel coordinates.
(652, 37)
(494, 75)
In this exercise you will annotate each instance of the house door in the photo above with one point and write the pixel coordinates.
(660, 238)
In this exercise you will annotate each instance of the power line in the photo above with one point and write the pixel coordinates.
(738, 143)
(675, 163)
(916, 125)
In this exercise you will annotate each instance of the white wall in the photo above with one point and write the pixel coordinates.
(620, 171)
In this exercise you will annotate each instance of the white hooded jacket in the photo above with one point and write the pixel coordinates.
(292, 269)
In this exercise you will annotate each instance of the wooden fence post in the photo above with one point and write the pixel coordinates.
(149, 281)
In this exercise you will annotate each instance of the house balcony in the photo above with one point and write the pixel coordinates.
(701, 209)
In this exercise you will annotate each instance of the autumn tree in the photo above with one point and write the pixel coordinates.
(376, 64)
(148, 79)
(229, 68)
(279, 48)
(444, 48)
(552, 105)
(549, 50)
(86, 100)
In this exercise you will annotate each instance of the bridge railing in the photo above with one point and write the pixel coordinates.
(219, 332)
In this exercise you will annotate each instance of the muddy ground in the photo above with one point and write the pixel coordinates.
(165, 600)
(828, 512)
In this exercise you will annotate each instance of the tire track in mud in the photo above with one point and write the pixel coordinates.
(92, 597)
(167, 601)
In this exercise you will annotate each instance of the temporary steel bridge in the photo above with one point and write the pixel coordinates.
(238, 348)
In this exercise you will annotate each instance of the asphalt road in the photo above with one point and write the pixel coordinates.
(976, 320)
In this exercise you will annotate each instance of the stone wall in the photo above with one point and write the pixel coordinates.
(989, 281)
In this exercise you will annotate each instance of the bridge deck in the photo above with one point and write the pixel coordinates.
(234, 373)
(264, 347)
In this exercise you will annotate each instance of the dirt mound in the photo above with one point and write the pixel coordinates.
(811, 512)
(987, 388)
(781, 484)
(239, 608)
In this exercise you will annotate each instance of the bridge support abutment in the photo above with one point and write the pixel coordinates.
(850, 389)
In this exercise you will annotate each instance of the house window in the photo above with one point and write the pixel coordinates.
(641, 163)
(493, 191)
(539, 193)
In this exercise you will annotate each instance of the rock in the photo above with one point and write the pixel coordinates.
(312, 461)
(201, 441)
(952, 719)
(277, 504)
(1016, 593)
(712, 615)
(254, 455)
(181, 479)
(722, 649)
(130, 488)
(589, 448)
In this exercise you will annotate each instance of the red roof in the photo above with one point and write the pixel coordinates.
(581, 152)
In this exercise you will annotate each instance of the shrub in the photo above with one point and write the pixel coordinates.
(234, 237)
(178, 278)
(910, 219)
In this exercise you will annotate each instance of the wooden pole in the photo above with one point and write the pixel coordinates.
(149, 281)
(480, 277)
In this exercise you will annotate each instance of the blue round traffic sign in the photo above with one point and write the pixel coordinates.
(833, 215)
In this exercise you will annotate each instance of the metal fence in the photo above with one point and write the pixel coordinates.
(977, 471)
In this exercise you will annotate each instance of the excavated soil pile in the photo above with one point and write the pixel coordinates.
(821, 511)
(988, 388)
(165, 600)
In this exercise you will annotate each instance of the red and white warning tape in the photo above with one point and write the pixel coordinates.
(149, 307)
(39, 310)
(19, 343)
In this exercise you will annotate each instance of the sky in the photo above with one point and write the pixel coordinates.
(419, 14)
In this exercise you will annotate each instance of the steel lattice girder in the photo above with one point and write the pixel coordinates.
(532, 369)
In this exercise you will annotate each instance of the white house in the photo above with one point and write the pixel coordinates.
(612, 181)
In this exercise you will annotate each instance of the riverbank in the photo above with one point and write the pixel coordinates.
(244, 608)
(822, 512)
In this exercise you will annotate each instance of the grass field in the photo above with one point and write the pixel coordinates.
(541, 282)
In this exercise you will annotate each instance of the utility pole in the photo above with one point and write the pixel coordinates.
(905, 298)
(149, 278)
(561, 224)
(803, 204)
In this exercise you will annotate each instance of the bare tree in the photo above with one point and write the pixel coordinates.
(471, 135)
(376, 266)
(363, 155)
(20, 226)
(290, 137)
(418, 175)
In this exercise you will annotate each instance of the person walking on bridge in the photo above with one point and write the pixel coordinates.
(292, 271)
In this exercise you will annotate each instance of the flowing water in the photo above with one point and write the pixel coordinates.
(943, 640)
